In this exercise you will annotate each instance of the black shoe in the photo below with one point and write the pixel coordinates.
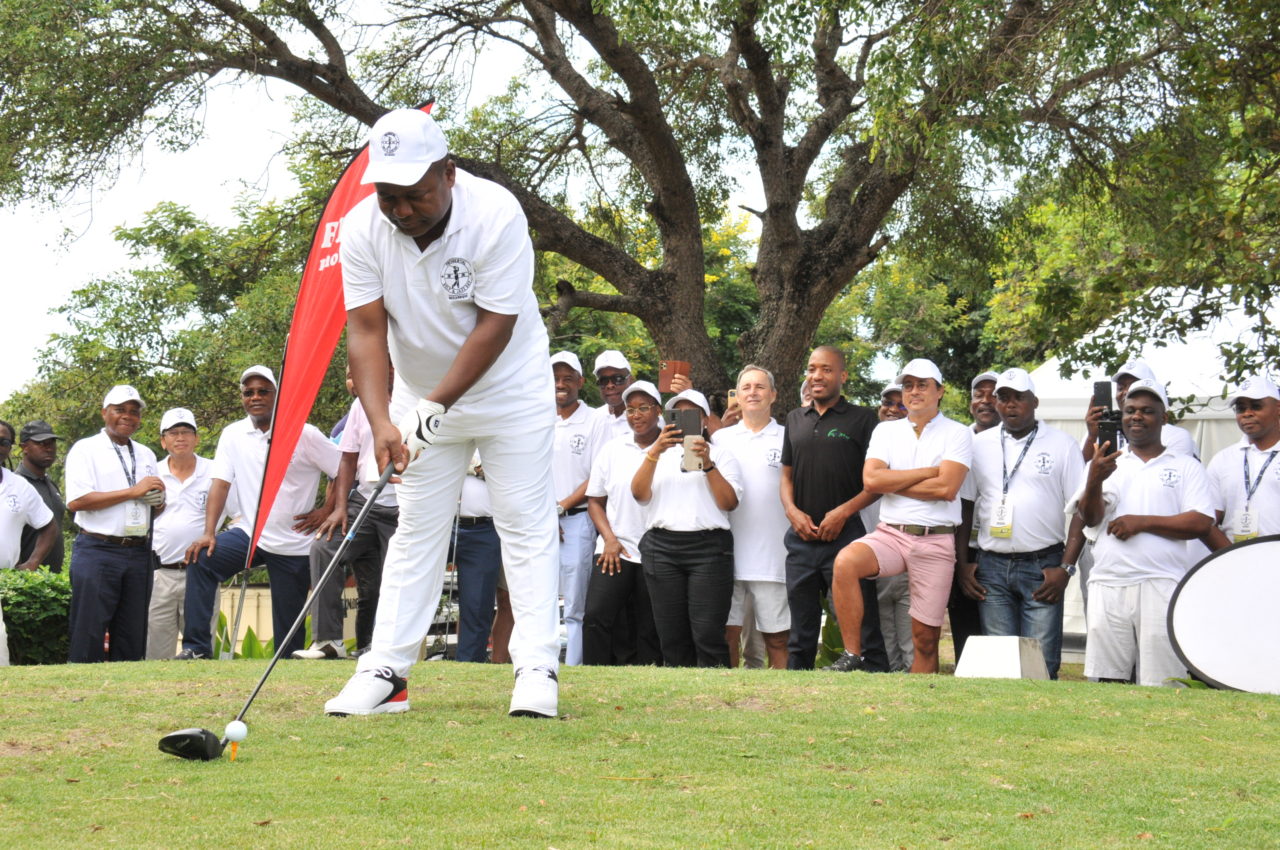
(190, 655)
(847, 663)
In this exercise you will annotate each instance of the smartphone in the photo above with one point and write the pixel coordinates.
(1109, 432)
(1102, 395)
(668, 369)
(733, 399)
(690, 424)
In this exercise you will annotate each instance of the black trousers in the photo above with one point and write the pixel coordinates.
(110, 592)
(617, 626)
(809, 567)
(690, 580)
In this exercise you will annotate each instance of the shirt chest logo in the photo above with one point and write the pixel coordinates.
(1043, 463)
(1170, 477)
(458, 278)
(577, 444)
(836, 433)
(773, 457)
(11, 502)
(202, 498)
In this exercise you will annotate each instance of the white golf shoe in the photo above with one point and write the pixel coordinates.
(324, 649)
(536, 694)
(375, 691)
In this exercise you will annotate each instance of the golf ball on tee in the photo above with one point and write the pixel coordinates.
(236, 731)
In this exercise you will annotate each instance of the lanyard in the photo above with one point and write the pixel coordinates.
(1250, 490)
(1004, 462)
(131, 477)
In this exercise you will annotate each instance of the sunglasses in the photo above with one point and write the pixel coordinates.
(5, 442)
(617, 380)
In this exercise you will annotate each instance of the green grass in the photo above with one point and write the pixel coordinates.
(640, 758)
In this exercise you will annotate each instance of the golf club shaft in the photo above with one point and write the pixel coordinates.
(283, 642)
(230, 649)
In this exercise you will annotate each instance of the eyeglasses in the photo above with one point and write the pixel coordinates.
(5, 442)
(250, 393)
(606, 380)
(641, 409)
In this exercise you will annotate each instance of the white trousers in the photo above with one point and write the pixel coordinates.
(577, 552)
(1129, 633)
(4, 642)
(517, 469)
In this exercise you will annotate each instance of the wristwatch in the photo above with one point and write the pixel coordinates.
(559, 509)
(1070, 568)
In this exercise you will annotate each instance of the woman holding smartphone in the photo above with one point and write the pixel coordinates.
(687, 550)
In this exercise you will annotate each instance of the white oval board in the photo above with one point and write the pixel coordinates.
(1223, 617)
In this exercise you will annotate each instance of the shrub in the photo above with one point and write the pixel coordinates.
(37, 607)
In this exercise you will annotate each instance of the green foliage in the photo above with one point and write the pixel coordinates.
(36, 606)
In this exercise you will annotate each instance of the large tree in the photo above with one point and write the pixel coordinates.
(849, 120)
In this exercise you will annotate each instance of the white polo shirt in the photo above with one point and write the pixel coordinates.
(611, 475)
(20, 506)
(97, 465)
(616, 426)
(1227, 474)
(759, 523)
(578, 440)
(682, 501)
(357, 438)
(182, 520)
(1167, 485)
(241, 460)
(895, 443)
(1050, 473)
(484, 259)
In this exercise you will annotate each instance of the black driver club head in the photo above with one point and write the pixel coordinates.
(192, 744)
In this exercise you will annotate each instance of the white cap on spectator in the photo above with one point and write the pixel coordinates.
(1017, 380)
(121, 393)
(611, 360)
(569, 359)
(1254, 387)
(642, 387)
(177, 416)
(403, 144)
(1136, 369)
(1155, 388)
(919, 368)
(259, 371)
(892, 388)
(689, 395)
(985, 376)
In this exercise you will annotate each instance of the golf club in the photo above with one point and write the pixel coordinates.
(229, 647)
(201, 744)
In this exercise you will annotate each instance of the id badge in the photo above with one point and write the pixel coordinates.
(1002, 521)
(135, 519)
(1245, 525)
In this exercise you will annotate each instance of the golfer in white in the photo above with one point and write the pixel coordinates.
(438, 270)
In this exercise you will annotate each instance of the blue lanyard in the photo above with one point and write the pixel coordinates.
(1004, 463)
(1250, 490)
(131, 477)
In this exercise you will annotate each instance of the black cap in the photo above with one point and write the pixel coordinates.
(37, 430)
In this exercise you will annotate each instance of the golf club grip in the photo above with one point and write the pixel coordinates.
(324, 577)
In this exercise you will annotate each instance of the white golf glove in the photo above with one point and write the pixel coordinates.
(154, 498)
(420, 427)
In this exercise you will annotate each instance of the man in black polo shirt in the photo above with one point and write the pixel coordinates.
(823, 451)
(39, 451)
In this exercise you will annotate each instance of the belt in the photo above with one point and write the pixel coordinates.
(1028, 556)
(923, 530)
(576, 511)
(178, 566)
(471, 521)
(117, 541)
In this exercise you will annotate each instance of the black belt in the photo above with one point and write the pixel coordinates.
(471, 521)
(178, 566)
(923, 530)
(1027, 556)
(116, 541)
(575, 511)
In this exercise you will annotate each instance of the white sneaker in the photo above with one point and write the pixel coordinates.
(322, 649)
(536, 694)
(376, 691)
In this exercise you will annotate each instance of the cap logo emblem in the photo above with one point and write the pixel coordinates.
(390, 143)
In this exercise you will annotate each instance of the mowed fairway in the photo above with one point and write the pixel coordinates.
(640, 758)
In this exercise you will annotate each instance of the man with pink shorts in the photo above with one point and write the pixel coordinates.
(918, 465)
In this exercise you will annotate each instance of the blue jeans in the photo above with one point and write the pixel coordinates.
(479, 562)
(1009, 609)
(290, 577)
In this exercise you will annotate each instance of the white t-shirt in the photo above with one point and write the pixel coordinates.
(1050, 473)
(97, 465)
(241, 459)
(182, 520)
(682, 501)
(357, 438)
(1226, 472)
(895, 443)
(759, 523)
(484, 259)
(578, 439)
(1167, 485)
(20, 505)
(611, 475)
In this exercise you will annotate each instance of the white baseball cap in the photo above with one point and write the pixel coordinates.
(1017, 380)
(177, 416)
(121, 393)
(1155, 388)
(973, 385)
(689, 395)
(403, 144)
(569, 359)
(1254, 387)
(642, 387)
(1136, 369)
(611, 360)
(891, 388)
(261, 372)
(919, 368)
